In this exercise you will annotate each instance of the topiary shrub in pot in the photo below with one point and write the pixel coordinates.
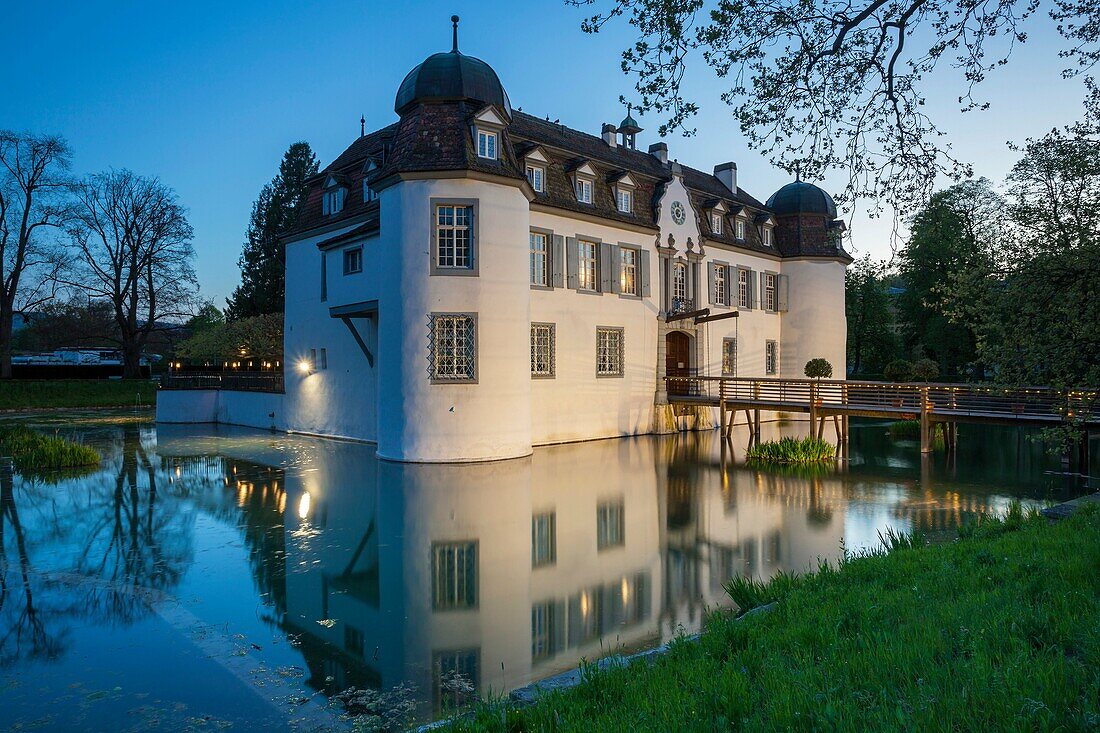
(819, 369)
(898, 370)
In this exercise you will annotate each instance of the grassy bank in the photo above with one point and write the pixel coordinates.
(999, 630)
(34, 452)
(76, 393)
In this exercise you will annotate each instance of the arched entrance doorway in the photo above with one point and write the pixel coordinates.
(678, 361)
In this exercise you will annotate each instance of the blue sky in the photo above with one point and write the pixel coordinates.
(207, 95)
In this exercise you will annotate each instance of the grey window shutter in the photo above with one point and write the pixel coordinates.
(571, 262)
(643, 268)
(752, 290)
(783, 288)
(605, 268)
(616, 269)
(763, 299)
(557, 261)
(710, 283)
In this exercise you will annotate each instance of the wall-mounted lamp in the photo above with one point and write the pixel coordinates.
(305, 367)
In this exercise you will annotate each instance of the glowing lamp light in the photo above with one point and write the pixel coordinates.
(303, 505)
(304, 366)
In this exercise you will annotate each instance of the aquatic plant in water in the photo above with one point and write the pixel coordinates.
(791, 450)
(32, 451)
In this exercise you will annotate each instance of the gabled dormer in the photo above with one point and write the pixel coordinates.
(623, 185)
(335, 193)
(765, 224)
(369, 194)
(584, 182)
(535, 164)
(487, 129)
(716, 217)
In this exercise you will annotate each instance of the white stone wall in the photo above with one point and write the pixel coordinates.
(815, 326)
(226, 407)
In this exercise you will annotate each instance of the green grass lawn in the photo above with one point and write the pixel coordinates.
(35, 453)
(999, 630)
(77, 393)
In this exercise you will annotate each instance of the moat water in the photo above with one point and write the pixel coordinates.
(212, 578)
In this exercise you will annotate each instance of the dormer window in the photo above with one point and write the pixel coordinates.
(584, 190)
(487, 144)
(536, 176)
(766, 236)
(625, 200)
(369, 193)
(740, 229)
(716, 222)
(333, 201)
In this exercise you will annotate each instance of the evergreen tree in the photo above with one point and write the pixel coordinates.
(262, 262)
(871, 341)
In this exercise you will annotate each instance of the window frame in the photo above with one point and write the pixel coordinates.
(637, 267)
(771, 358)
(488, 135)
(333, 201)
(584, 183)
(771, 284)
(729, 366)
(548, 254)
(679, 266)
(620, 357)
(349, 251)
(594, 286)
(469, 547)
(767, 236)
(602, 515)
(552, 341)
(740, 229)
(552, 557)
(531, 170)
(433, 350)
(744, 277)
(628, 194)
(721, 278)
(474, 231)
(716, 226)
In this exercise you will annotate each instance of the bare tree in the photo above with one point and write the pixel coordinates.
(34, 186)
(133, 246)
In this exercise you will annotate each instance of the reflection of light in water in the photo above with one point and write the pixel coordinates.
(584, 603)
(303, 505)
(626, 590)
(282, 503)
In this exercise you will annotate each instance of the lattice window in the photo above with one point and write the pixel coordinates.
(452, 347)
(740, 228)
(542, 349)
(720, 285)
(609, 352)
(584, 190)
(487, 144)
(452, 228)
(535, 177)
(716, 223)
(679, 281)
(769, 291)
(625, 200)
(771, 358)
(586, 265)
(744, 289)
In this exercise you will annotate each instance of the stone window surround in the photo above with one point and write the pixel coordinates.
(549, 234)
(475, 224)
(553, 349)
(621, 373)
(432, 356)
(638, 274)
(344, 257)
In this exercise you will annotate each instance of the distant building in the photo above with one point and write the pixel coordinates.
(472, 280)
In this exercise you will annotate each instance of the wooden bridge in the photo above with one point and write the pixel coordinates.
(931, 404)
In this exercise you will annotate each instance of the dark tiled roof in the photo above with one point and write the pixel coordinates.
(368, 227)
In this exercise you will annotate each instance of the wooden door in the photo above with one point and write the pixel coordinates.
(678, 361)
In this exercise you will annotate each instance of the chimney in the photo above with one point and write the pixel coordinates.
(608, 134)
(659, 151)
(727, 174)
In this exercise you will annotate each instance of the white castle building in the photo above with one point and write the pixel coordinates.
(472, 281)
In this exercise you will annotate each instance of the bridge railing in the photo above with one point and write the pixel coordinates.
(239, 381)
(961, 400)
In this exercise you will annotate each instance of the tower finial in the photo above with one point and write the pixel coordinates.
(454, 45)
(798, 170)
(362, 126)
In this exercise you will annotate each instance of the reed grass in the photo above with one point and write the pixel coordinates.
(34, 452)
(791, 450)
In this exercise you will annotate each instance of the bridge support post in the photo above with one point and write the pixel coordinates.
(813, 410)
(926, 426)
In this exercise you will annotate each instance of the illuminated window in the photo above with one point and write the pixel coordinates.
(729, 357)
(542, 349)
(586, 265)
(609, 352)
(628, 277)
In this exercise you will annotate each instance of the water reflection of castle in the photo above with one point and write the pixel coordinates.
(511, 571)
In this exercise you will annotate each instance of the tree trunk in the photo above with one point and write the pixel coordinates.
(6, 318)
(131, 361)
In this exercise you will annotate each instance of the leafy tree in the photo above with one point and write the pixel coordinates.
(871, 339)
(259, 336)
(34, 187)
(76, 322)
(133, 251)
(263, 288)
(898, 370)
(837, 83)
(819, 369)
(960, 229)
(1036, 312)
(925, 370)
